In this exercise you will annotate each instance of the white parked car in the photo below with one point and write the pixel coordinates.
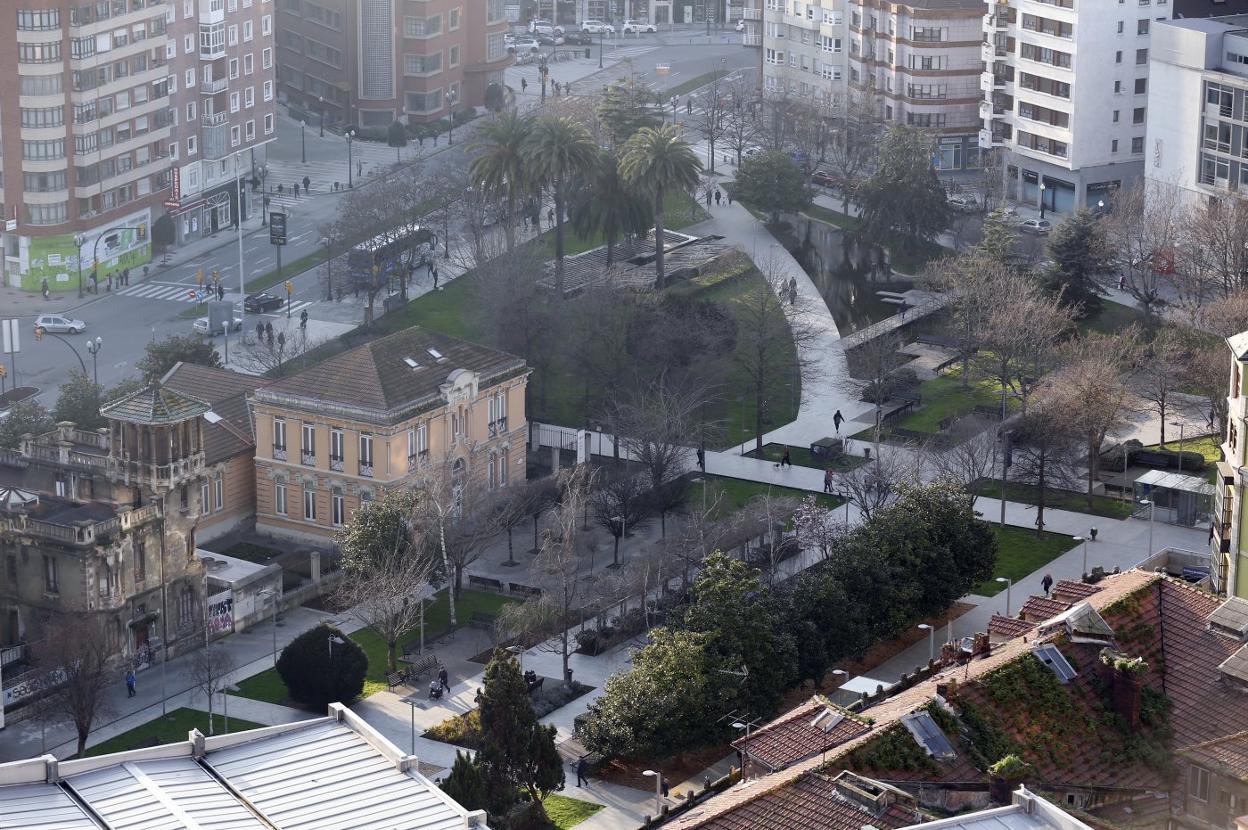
(525, 46)
(964, 202)
(55, 323)
(201, 326)
(636, 27)
(1040, 227)
(597, 27)
(544, 27)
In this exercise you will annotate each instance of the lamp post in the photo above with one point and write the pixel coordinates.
(321, 102)
(93, 347)
(350, 134)
(658, 790)
(1100, 206)
(272, 594)
(931, 640)
(1009, 586)
(1152, 512)
(329, 270)
(1084, 571)
(1182, 426)
(1042, 189)
(303, 141)
(602, 34)
(225, 705)
(745, 753)
(334, 638)
(416, 703)
(451, 97)
(78, 240)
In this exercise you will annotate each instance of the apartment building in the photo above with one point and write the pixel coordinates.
(223, 68)
(412, 406)
(372, 62)
(86, 119)
(104, 522)
(804, 50)
(1198, 76)
(919, 63)
(1066, 87)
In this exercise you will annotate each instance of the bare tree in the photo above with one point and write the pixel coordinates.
(741, 123)
(619, 507)
(970, 283)
(853, 145)
(1217, 231)
(873, 485)
(1226, 317)
(279, 357)
(1207, 372)
(1043, 450)
(209, 667)
(1164, 372)
(972, 458)
(75, 656)
(1142, 233)
(710, 115)
(817, 526)
(560, 564)
(873, 363)
(1022, 332)
(459, 519)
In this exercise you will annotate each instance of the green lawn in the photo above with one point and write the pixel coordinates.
(1020, 552)
(1105, 506)
(907, 255)
(735, 493)
(168, 729)
(565, 812)
(802, 457)
(1112, 318)
(268, 685)
(943, 397)
(696, 82)
(1206, 445)
(680, 211)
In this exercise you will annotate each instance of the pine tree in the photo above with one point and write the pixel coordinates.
(517, 752)
(466, 783)
(1081, 258)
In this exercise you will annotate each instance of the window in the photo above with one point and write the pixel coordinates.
(453, 20)
(44, 117)
(492, 471)
(191, 148)
(1121, 26)
(1115, 116)
(1113, 146)
(140, 561)
(1141, 86)
(40, 84)
(218, 486)
(267, 91)
(1198, 783)
(233, 68)
(1137, 115)
(43, 150)
(453, 56)
(233, 102)
(279, 497)
(186, 605)
(422, 64)
(337, 508)
(1137, 144)
(266, 25)
(366, 455)
(1141, 27)
(1141, 57)
(205, 501)
(266, 59)
(38, 21)
(419, 27)
(50, 584)
(308, 445)
(309, 504)
(279, 438)
(1118, 56)
(503, 460)
(1117, 87)
(249, 64)
(39, 52)
(248, 31)
(268, 119)
(335, 449)
(249, 97)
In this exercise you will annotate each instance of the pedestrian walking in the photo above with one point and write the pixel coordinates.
(550, 217)
(46, 292)
(784, 458)
(296, 190)
(303, 319)
(110, 282)
(268, 333)
(666, 787)
(837, 420)
(220, 291)
(259, 331)
(433, 270)
(125, 275)
(444, 679)
(728, 195)
(708, 198)
(524, 86)
(718, 196)
(359, 168)
(701, 453)
(827, 480)
(1046, 583)
(581, 768)
(689, 106)
(307, 183)
(130, 683)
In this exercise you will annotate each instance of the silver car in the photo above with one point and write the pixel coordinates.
(57, 324)
(201, 326)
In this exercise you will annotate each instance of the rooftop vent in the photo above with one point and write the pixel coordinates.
(1052, 657)
(929, 736)
(1235, 668)
(872, 795)
(1230, 619)
(828, 719)
(411, 363)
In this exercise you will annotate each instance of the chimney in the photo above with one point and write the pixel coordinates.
(1127, 686)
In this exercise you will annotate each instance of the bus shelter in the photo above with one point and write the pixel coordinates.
(1178, 499)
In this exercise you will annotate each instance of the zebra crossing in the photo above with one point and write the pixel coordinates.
(182, 293)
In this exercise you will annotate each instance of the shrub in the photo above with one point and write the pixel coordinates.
(557, 696)
(466, 783)
(313, 678)
(587, 640)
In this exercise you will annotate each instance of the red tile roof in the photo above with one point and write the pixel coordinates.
(811, 802)
(791, 737)
(1070, 591)
(1038, 609)
(1227, 755)
(1009, 626)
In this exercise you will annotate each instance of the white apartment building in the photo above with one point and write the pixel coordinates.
(919, 63)
(1066, 86)
(223, 73)
(1198, 76)
(804, 50)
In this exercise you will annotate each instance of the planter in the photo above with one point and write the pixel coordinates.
(17, 395)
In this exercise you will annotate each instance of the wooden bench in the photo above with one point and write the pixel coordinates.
(486, 583)
(536, 687)
(420, 665)
(396, 678)
(524, 590)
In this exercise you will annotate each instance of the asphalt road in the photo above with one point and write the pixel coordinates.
(127, 319)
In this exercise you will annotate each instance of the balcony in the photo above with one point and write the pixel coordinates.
(989, 139)
(307, 459)
(214, 137)
(212, 86)
(749, 39)
(751, 14)
(366, 470)
(279, 453)
(336, 464)
(987, 109)
(157, 475)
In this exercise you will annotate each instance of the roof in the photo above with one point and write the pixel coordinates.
(1068, 590)
(1236, 666)
(1027, 812)
(1238, 343)
(1039, 608)
(1166, 480)
(1082, 623)
(1231, 617)
(794, 736)
(1228, 755)
(319, 774)
(1009, 627)
(226, 392)
(377, 380)
(154, 405)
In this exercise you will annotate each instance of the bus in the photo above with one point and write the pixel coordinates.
(393, 254)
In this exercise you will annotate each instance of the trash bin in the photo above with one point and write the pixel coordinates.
(587, 50)
(568, 678)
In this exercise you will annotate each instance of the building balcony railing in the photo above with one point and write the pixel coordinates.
(751, 14)
(279, 453)
(307, 459)
(749, 39)
(336, 464)
(366, 470)
(168, 474)
(211, 86)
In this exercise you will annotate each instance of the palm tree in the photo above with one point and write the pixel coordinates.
(500, 168)
(658, 161)
(602, 202)
(556, 151)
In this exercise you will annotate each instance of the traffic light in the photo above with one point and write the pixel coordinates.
(290, 287)
(216, 275)
(38, 332)
(199, 276)
(3, 370)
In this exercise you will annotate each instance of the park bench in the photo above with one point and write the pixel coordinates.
(536, 686)
(480, 619)
(486, 583)
(396, 678)
(525, 590)
(420, 665)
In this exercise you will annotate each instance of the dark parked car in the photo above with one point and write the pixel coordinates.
(263, 301)
(577, 38)
(825, 179)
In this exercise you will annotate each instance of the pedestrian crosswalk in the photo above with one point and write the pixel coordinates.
(182, 293)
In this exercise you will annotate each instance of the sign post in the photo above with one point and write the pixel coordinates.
(277, 236)
(10, 339)
(290, 295)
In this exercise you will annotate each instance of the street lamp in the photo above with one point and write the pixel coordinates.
(416, 703)
(94, 346)
(321, 101)
(1042, 189)
(658, 790)
(1152, 512)
(350, 134)
(602, 33)
(303, 141)
(78, 240)
(225, 704)
(329, 270)
(1009, 586)
(745, 753)
(451, 97)
(1084, 571)
(1100, 206)
(334, 638)
(272, 594)
(1182, 426)
(931, 640)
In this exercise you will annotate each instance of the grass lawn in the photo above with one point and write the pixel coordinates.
(735, 493)
(1020, 552)
(802, 457)
(1113, 318)
(943, 397)
(565, 812)
(268, 685)
(1206, 445)
(680, 211)
(1105, 506)
(693, 83)
(907, 255)
(168, 729)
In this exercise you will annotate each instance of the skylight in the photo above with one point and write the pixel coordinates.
(437, 355)
(411, 362)
(929, 736)
(827, 719)
(1052, 657)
